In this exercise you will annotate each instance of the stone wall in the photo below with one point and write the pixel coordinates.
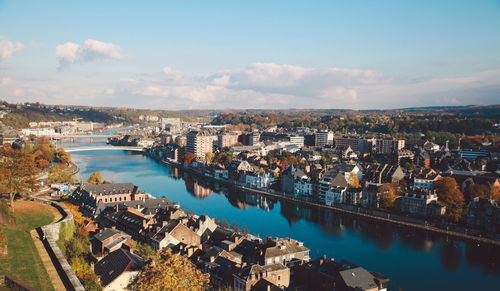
(51, 233)
(13, 283)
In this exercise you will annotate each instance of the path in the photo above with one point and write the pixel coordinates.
(42, 251)
(47, 262)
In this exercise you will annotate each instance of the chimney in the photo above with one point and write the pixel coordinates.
(113, 227)
(116, 208)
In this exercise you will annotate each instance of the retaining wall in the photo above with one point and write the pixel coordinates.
(51, 232)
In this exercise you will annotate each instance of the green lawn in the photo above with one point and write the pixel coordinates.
(23, 260)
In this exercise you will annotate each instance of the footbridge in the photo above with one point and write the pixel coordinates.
(96, 148)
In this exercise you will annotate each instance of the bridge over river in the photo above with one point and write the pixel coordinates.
(119, 148)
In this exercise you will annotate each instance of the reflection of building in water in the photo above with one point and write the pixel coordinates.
(201, 192)
(196, 189)
(428, 245)
(175, 172)
(259, 201)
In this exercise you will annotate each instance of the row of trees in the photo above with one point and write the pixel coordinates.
(446, 188)
(416, 122)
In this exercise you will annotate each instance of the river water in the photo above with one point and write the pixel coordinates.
(412, 259)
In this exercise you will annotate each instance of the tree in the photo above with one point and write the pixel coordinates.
(188, 158)
(63, 156)
(485, 191)
(235, 227)
(224, 223)
(386, 196)
(209, 157)
(449, 193)
(144, 251)
(60, 174)
(169, 271)
(245, 230)
(95, 178)
(17, 172)
(353, 180)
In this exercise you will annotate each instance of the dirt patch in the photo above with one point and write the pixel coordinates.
(23, 206)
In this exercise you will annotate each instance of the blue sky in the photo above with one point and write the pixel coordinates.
(251, 54)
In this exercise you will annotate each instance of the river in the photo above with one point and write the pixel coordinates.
(412, 259)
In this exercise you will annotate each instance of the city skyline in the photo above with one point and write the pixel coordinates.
(279, 55)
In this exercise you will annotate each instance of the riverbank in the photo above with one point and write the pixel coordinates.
(452, 231)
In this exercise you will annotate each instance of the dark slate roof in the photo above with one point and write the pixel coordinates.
(109, 189)
(358, 278)
(105, 234)
(115, 263)
(147, 206)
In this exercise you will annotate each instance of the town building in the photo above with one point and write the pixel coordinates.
(199, 143)
(89, 196)
(323, 138)
(388, 146)
(118, 269)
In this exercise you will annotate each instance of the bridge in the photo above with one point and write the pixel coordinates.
(98, 148)
(73, 136)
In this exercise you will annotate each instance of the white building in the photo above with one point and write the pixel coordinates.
(323, 137)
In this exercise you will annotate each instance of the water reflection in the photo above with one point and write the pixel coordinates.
(383, 235)
(451, 255)
(410, 257)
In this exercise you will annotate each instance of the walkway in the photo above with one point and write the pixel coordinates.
(47, 262)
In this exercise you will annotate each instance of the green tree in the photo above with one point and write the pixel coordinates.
(60, 174)
(144, 251)
(169, 271)
(95, 178)
(17, 172)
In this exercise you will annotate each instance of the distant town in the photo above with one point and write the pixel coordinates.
(435, 169)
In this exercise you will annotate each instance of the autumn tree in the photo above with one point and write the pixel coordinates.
(485, 191)
(209, 157)
(188, 158)
(353, 180)
(386, 196)
(17, 172)
(95, 178)
(63, 156)
(169, 271)
(450, 195)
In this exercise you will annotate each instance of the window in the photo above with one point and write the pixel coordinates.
(120, 199)
(105, 199)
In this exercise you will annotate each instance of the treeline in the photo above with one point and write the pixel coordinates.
(372, 123)
(21, 117)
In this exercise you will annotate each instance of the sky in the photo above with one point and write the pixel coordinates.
(251, 54)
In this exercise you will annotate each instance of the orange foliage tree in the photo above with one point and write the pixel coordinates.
(169, 271)
(17, 172)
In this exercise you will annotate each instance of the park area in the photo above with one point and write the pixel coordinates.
(23, 259)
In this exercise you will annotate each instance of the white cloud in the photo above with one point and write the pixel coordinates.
(90, 50)
(172, 74)
(8, 48)
(260, 85)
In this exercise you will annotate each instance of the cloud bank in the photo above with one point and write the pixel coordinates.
(260, 85)
(90, 50)
(8, 48)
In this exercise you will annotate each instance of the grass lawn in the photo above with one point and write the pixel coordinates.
(23, 260)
